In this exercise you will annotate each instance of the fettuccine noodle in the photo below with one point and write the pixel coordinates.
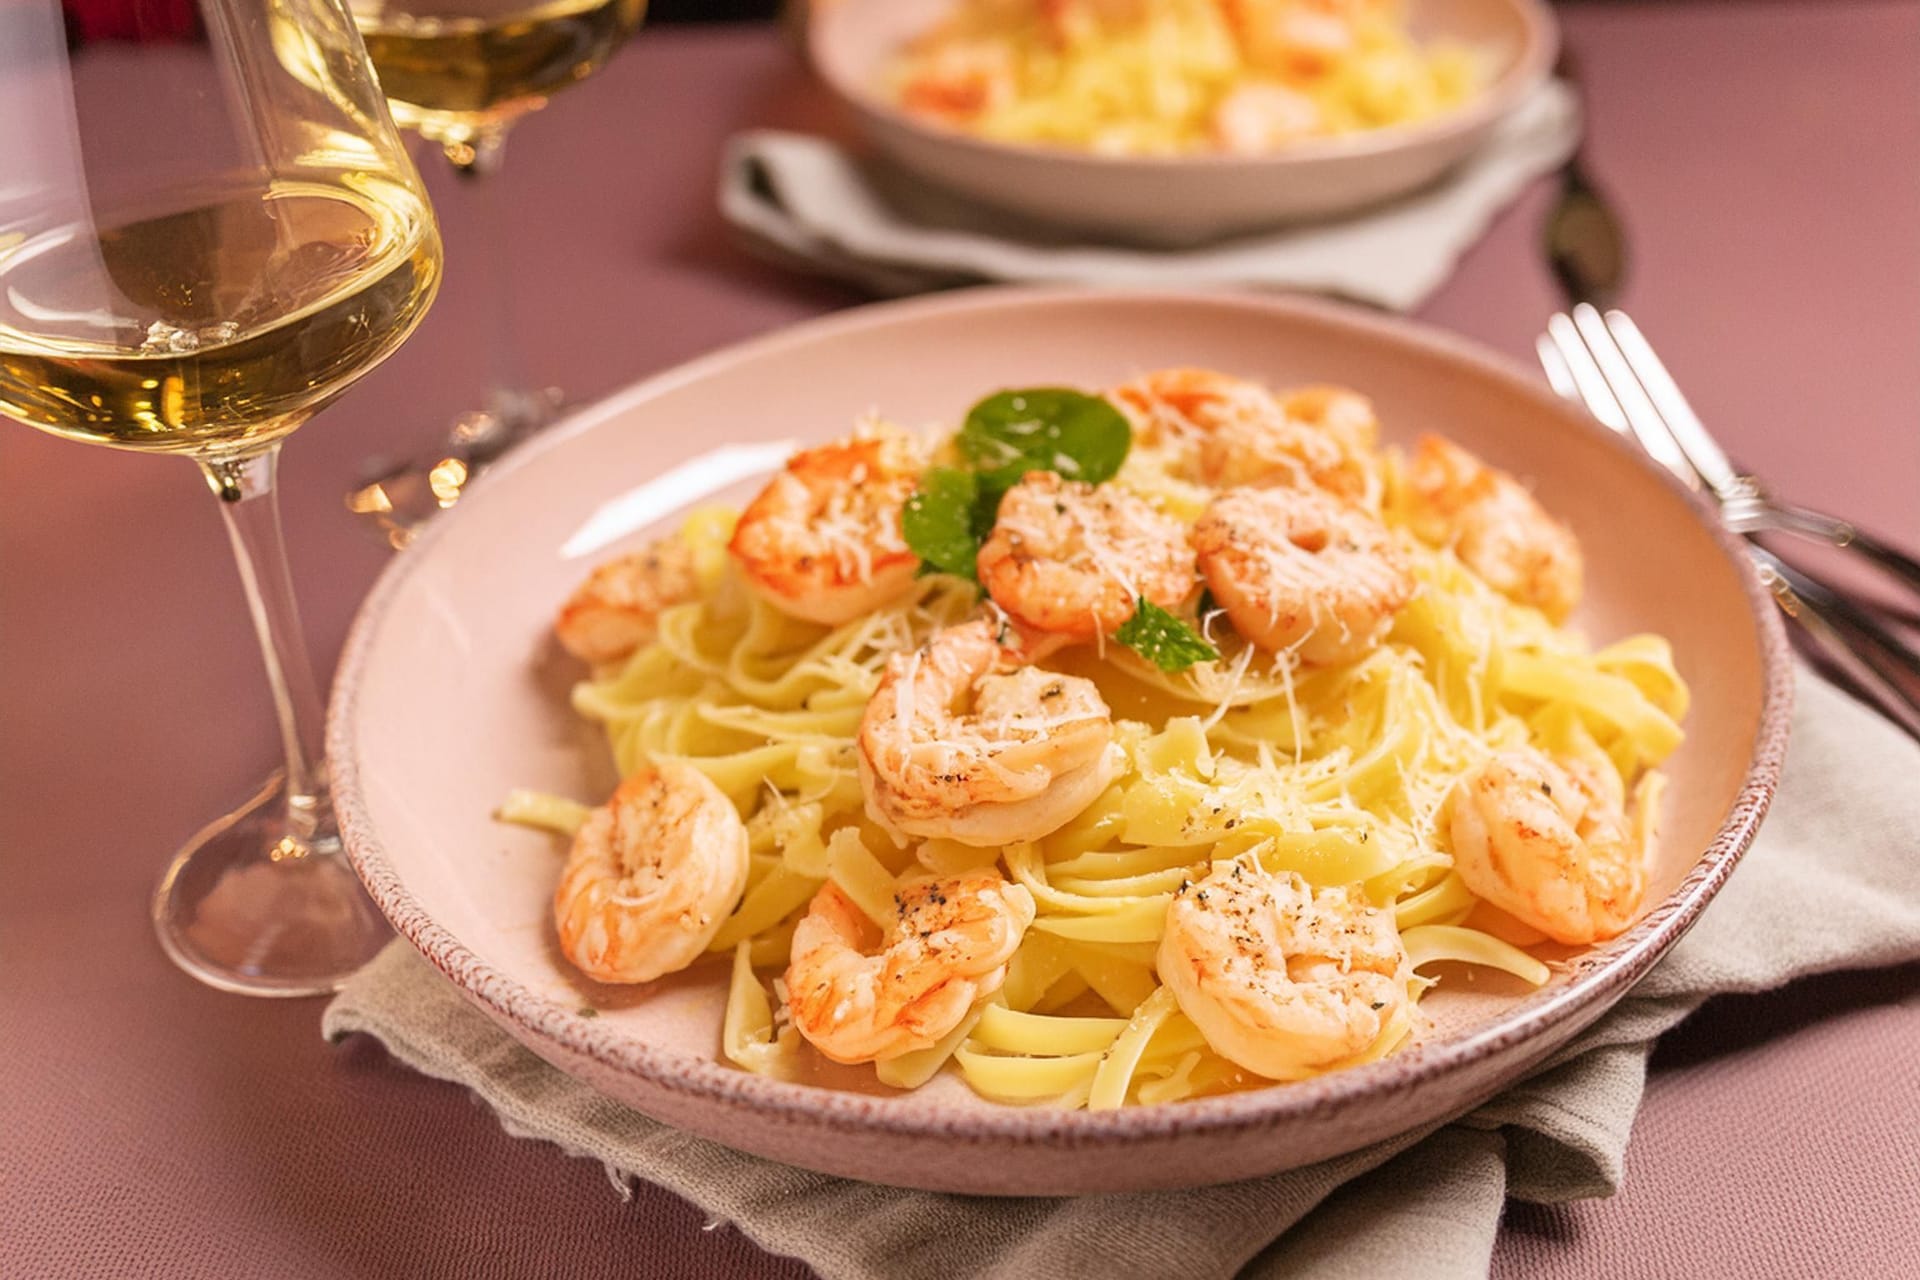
(1336, 773)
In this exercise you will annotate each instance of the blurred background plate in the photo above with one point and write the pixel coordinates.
(1185, 199)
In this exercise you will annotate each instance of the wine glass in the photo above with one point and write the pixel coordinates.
(209, 229)
(461, 73)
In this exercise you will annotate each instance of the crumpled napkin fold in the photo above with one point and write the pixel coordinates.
(1832, 882)
(805, 202)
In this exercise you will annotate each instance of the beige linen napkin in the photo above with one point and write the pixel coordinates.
(1833, 882)
(806, 203)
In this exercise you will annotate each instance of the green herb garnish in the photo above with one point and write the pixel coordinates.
(1162, 639)
(587, 1011)
(1081, 437)
(1044, 429)
(942, 521)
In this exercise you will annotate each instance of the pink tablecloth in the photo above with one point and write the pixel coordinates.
(1765, 155)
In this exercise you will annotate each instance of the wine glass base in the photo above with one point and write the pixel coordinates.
(508, 417)
(397, 497)
(242, 910)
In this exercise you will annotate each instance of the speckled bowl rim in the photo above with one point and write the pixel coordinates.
(1605, 973)
(1528, 71)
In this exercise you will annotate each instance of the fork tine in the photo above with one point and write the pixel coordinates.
(1688, 431)
(1554, 365)
(1643, 419)
(1589, 385)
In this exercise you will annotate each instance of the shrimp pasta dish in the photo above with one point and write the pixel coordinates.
(1111, 749)
(1171, 77)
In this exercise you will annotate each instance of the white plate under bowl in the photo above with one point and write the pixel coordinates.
(1184, 199)
(451, 693)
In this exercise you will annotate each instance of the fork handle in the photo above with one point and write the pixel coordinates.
(1848, 537)
(1865, 653)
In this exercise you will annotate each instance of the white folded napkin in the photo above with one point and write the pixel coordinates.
(1832, 882)
(806, 202)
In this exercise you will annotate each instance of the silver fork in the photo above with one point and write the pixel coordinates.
(1586, 249)
(1645, 393)
(1605, 362)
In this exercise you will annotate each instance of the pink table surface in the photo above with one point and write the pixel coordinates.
(1766, 156)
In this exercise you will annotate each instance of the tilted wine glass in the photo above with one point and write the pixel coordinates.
(462, 73)
(209, 228)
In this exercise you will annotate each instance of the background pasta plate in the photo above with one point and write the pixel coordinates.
(450, 693)
(1184, 199)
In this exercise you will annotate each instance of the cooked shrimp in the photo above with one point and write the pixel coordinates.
(823, 541)
(960, 82)
(1225, 431)
(861, 994)
(1321, 436)
(1498, 529)
(1035, 749)
(1299, 39)
(1549, 842)
(652, 875)
(1072, 559)
(1260, 117)
(1341, 411)
(1285, 981)
(1024, 646)
(1299, 569)
(615, 610)
(1172, 411)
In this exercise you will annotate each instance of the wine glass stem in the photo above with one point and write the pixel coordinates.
(476, 161)
(248, 500)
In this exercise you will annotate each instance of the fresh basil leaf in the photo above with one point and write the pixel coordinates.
(1045, 429)
(986, 506)
(941, 521)
(1162, 639)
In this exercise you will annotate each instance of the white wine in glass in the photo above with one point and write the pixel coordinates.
(229, 321)
(209, 229)
(461, 72)
(458, 69)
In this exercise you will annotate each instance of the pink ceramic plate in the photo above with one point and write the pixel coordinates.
(450, 693)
